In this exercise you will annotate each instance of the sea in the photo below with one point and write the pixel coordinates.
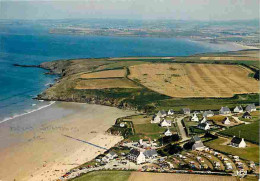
(32, 44)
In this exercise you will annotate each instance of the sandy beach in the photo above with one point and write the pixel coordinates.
(45, 144)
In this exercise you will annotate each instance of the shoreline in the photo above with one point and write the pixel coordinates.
(41, 146)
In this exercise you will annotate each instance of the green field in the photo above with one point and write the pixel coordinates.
(207, 103)
(249, 132)
(153, 131)
(142, 99)
(251, 152)
(104, 176)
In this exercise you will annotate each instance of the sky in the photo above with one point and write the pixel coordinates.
(131, 9)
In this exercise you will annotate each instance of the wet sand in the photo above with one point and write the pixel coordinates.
(43, 146)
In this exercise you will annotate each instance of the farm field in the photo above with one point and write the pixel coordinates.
(229, 58)
(195, 80)
(104, 175)
(141, 176)
(251, 152)
(105, 83)
(153, 131)
(218, 120)
(249, 132)
(104, 74)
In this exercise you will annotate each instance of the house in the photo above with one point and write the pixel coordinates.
(197, 143)
(208, 113)
(156, 119)
(226, 121)
(111, 155)
(194, 118)
(136, 156)
(247, 115)
(170, 112)
(204, 126)
(161, 114)
(238, 109)
(150, 154)
(122, 125)
(168, 133)
(166, 123)
(203, 120)
(250, 108)
(238, 142)
(198, 146)
(185, 110)
(224, 110)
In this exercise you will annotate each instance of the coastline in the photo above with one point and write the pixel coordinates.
(42, 148)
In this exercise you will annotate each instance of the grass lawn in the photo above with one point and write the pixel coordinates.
(104, 176)
(249, 132)
(251, 152)
(154, 131)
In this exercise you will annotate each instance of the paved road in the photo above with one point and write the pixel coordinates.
(181, 128)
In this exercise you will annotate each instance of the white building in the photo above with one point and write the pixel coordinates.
(111, 155)
(166, 123)
(194, 118)
(224, 110)
(203, 120)
(168, 133)
(238, 109)
(122, 125)
(136, 156)
(185, 111)
(150, 154)
(161, 113)
(226, 121)
(204, 126)
(170, 112)
(208, 113)
(250, 108)
(156, 119)
(238, 142)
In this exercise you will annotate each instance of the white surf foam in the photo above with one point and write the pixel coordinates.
(28, 112)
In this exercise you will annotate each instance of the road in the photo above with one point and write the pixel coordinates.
(181, 128)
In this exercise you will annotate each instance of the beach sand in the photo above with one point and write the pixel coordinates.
(43, 146)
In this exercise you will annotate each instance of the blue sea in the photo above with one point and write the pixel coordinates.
(31, 44)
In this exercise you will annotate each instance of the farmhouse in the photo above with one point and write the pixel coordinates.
(250, 108)
(166, 123)
(136, 156)
(156, 119)
(170, 112)
(111, 155)
(198, 146)
(161, 114)
(204, 126)
(238, 142)
(194, 118)
(168, 133)
(208, 113)
(247, 115)
(238, 109)
(224, 110)
(203, 120)
(185, 110)
(150, 154)
(226, 121)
